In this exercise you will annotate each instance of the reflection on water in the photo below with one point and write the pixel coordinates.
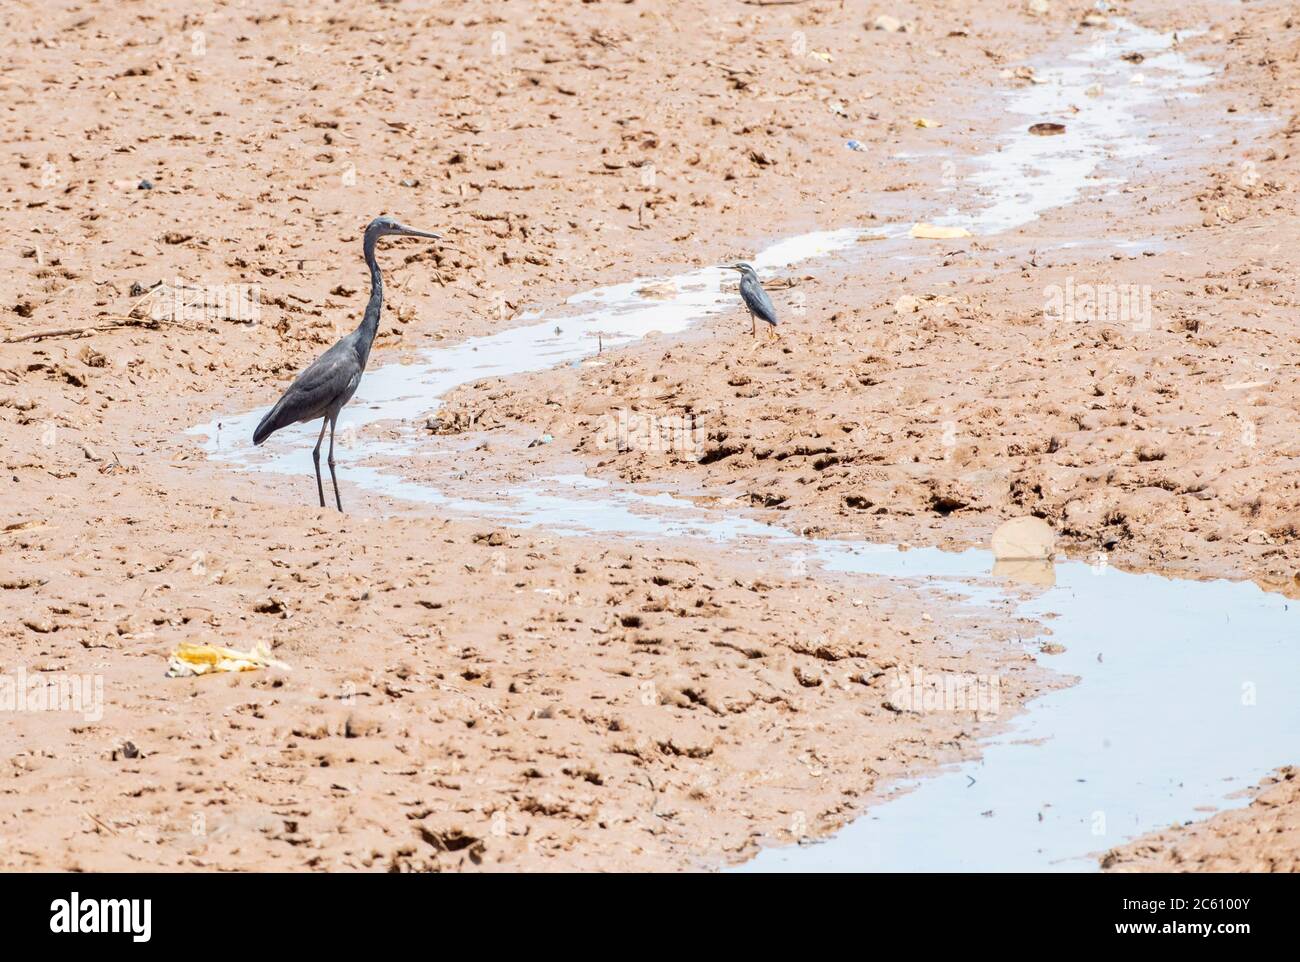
(1027, 571)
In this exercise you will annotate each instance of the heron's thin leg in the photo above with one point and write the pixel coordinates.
(337, 500)
(753, 327)
(315, 457)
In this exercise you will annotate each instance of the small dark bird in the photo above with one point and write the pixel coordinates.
(323, 389)
(755, 298)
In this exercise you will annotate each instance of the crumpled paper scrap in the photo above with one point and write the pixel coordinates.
(931, 232)
(190, 659)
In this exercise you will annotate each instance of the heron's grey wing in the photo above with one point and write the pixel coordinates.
(324, 387)
(758, 300)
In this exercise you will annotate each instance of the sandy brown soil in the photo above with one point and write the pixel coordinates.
(460, 698)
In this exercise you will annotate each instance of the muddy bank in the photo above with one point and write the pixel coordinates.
(458, 696)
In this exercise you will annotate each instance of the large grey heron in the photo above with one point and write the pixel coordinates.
(755, 298)
(323, 389)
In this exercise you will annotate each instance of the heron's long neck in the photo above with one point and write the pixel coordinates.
(370, 322)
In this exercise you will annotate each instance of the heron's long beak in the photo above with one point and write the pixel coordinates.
(728, 267)
(412, 232)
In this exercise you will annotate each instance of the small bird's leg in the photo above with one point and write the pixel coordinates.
(315, 457)
(753, 324)
(337, 500)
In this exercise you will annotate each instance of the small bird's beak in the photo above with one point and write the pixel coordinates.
(412, 232)
(728, 267)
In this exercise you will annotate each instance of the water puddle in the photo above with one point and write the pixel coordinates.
(1103, 101)
(1183, 698)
